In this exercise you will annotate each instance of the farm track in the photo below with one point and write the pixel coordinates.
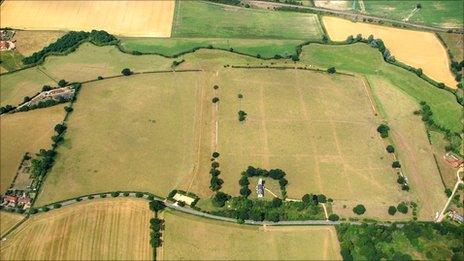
(359, 16)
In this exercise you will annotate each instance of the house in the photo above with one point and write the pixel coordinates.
(260, 188)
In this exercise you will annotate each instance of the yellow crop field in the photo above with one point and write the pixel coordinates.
(417, 49)
(8, 220)
(25, 132)
(193, 238)
(128, 18)
(94, 230)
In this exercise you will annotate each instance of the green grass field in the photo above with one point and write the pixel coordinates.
(362, 59)
(174, 46)
(446, 13)
(298, 121)
(133, 133)
(188, 237)
(11, 60)
(199, 19)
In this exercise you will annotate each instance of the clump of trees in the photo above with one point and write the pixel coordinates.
(359, 209)
(69, 42)
(155, 234)
(242, 115)
(220, 199)
(6, 108)
(215, 182)
(42, 163)
(403, 183)
(156, 205)
(383, 129)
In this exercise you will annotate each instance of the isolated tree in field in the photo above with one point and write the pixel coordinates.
(334, 217)
(215, 87)
(402, 208)
(392, 210)
(62, 83)
(390, 149)
(126, 72)
(215, 99)
(242, 115)
(359, 209)
(383, 129)
(156, 205)
(240, 96)
(331, 70)
(215, 154)
(396, 164)
(219, 200)
(276, 202)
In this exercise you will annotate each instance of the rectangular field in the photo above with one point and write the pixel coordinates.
(131, 133)
(8, 220)
(199, 19)
(417, 49)
(319, 129)
(25, 132)
(188, 237)
(127, 18)
(115, 229)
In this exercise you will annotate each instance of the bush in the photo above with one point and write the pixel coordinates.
(79, 199)
(402, 207)
(156, 205)
(68, 109)
(241, 115)
(215, 154)
(331, 70)
(139, 194)
(244, 181)
(240, 96)
(57, 205)
(245, 191)
(448, 192)
(125, 194)
(359, 209)
(392, 210)
(62, 83)
(383, 129)
(219, 200)
(390, 149)
(321, 198)
(215, 87)
(126, 72)
(215, 100)
(396, 164)
(334, 217)
(114, 194)
(214, 164)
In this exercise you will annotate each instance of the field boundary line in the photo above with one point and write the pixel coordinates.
(14, 227)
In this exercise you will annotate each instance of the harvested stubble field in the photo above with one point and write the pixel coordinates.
(417, 49)
(25, 132)
(8, 220)
(200, 19)
(130, 133)
(29, 42)
(98, 230)
(127, 18)
(298, 121)
(188, 237)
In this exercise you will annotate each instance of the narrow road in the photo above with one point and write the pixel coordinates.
(353, 15)
(458, 182)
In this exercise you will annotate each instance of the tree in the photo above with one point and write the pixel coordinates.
(68, 108)
(276, 173)
(272, 216)
(60, 128)
(390, 149)
(241, 115)
(325, 39)
(402, 208)
(240, 96)
(26, 99)
(126, 72)
(46, 88)
(244, 181)
(400, 180)
(331, 70)
(215, 172)
(276, 202)
(295, 57)
(396, 164)
(245, 191)
(215, 87)
(214, 164)
(156, 205)
(220, 198)
(306, 198)
(392, 210)
(215, 100)
(216, 183)
(242, 214)
(383, 130)
(448, 192)
(215, 154)
(283, 182)
(62, 83)
(321, 198)
(139, 194)
(115, 194)
(256, 215)
(359, 209)
(334, 217)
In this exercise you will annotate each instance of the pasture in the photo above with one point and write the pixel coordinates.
(188, 237)
(445, 13)
(25, 132)
(131, 133)
(199, 19)
(8, 220)
(126, 18)
(413, 147)
(298, 121)
(173, 46)
(417, 49)
(455, 43)
(368, 61)
(116, 229)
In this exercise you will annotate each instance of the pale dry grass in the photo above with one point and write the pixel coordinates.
(417, 49)
(25, 132)
(333, 4)
(128, 18)
(29, 42)
(8, 220)
(188, 237)
(94, 230)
